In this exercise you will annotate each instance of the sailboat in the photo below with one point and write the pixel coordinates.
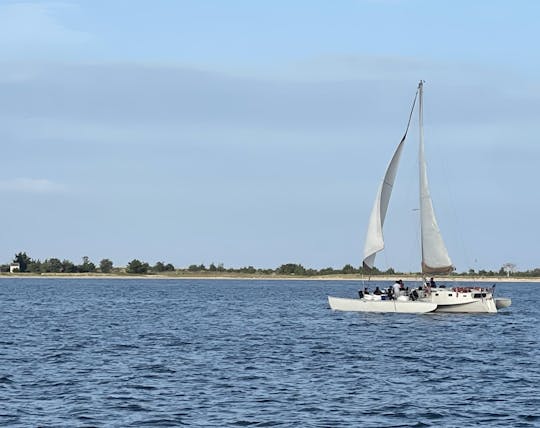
(435, 259)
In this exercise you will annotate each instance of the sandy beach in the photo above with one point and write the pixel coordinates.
(236, 276)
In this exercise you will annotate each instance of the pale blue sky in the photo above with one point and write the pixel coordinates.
(256, 132)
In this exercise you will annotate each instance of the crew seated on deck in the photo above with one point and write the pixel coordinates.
(377, 291)
(365, 292)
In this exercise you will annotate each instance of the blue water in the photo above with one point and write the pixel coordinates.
(121, 353)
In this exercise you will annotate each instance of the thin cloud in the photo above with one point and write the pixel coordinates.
(30, 185)
(34, 25)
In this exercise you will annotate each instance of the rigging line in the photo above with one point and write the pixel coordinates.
(406, 129)
(410, 116)
(450, 191)
(414, 249)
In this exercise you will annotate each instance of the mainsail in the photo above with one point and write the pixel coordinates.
(435, 258)
(374, 238)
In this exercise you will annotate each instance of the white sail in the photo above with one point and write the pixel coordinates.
(374, 239)
(435, 258)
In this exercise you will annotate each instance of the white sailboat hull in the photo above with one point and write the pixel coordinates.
(381, 306)
(463, 300)
(477, 307)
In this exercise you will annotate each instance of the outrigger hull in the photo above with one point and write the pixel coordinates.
(381, 306)
(467, 300)
(476, 307)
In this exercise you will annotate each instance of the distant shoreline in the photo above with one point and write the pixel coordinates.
(275, 277)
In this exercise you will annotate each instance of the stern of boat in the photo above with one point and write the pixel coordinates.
(464, 300)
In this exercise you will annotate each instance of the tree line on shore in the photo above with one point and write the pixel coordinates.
(55, 265)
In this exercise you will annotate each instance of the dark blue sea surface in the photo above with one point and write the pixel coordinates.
(155, 353)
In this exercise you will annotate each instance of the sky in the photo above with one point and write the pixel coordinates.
(257, 132)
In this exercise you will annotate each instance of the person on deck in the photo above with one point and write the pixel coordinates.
(398, 285)
(432, 283)
(377, 291)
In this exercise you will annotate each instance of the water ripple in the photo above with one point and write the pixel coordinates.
(158, 353)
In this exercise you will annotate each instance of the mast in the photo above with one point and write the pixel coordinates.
(435, 258)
